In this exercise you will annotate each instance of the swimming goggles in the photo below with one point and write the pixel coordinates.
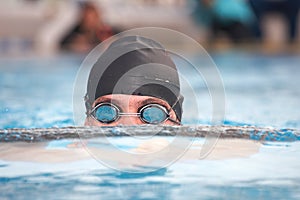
(151, 113)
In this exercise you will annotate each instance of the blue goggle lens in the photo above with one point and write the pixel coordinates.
(153, 115)
(106, 113)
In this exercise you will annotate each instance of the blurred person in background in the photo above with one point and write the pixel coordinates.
(88, 32)
(232, 18)
(288, 8)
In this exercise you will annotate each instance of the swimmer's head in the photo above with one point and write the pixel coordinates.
(135, 72)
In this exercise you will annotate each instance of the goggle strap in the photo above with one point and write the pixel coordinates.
(88, 105)
(169, 110)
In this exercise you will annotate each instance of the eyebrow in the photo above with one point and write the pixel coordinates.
(108, 100)
(153, 100)
(140, 103)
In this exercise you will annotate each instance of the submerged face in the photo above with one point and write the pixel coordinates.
(121, 109)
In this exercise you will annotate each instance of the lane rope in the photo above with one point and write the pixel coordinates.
(242, 132)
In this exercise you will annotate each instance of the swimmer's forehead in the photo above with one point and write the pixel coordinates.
(120, 99)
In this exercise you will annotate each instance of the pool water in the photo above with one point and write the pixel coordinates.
(261, 91)
(270, 173)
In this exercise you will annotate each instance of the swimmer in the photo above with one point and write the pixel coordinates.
(139, 87)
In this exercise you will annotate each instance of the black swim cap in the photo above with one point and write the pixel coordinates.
(135, 65)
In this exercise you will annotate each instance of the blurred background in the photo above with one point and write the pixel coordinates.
(48, 26)
(254, 43)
